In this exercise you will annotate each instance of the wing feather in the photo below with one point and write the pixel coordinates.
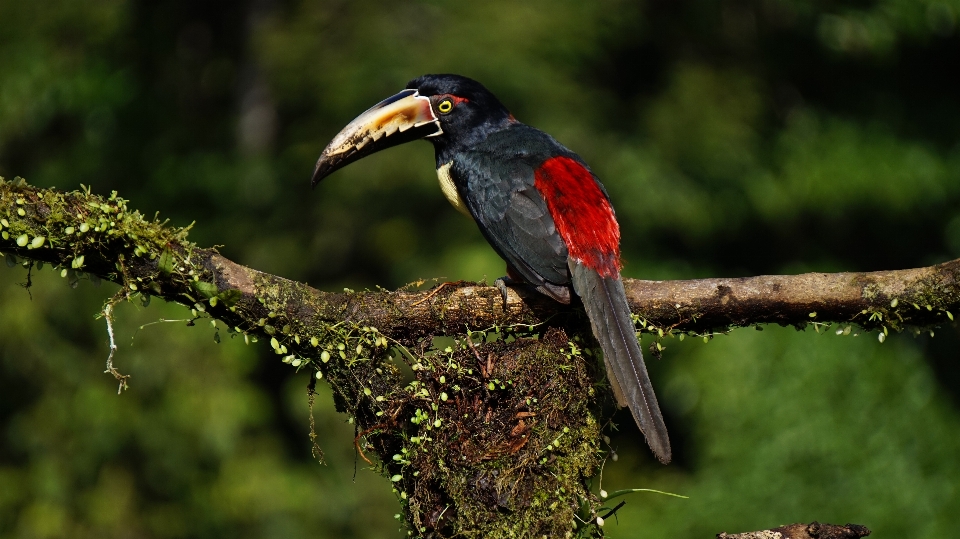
(512, 214)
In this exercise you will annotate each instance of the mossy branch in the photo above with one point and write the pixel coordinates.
(156, 259)
(489, 424)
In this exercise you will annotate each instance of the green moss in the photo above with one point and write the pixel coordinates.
(65, 228)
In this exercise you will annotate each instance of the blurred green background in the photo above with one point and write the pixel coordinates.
(735, 138)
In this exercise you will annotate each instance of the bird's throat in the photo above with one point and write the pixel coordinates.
(450, 189)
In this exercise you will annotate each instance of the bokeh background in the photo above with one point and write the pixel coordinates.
(735, 137)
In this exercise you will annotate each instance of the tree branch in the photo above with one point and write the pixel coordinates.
(489, 423)
(897, 299)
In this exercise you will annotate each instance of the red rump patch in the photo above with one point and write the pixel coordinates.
(582, 213)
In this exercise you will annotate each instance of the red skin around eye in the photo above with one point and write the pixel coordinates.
(455, 98)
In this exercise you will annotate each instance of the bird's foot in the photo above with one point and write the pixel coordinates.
(503, 285)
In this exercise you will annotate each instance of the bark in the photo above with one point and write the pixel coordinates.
(497, 436)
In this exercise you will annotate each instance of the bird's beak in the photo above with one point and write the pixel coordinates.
(404, 117)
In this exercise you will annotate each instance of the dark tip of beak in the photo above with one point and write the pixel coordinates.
(319, 173)
(328, 164)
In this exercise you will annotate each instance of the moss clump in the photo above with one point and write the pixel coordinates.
(493, 439)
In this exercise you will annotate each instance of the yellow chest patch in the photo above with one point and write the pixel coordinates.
(450, 190)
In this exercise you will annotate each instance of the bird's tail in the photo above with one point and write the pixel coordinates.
(606, 305)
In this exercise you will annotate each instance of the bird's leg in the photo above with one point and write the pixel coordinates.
(503, 283)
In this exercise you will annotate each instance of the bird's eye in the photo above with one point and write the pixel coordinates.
(445, 106)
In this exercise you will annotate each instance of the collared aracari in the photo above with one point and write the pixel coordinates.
(535, 201)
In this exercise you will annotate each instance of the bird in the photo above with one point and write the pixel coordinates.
(536, 202)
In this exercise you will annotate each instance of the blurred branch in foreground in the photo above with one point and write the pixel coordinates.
(498, 434)
(814, 530)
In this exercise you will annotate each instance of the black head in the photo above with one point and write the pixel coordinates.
(448, 110)
(465, 108)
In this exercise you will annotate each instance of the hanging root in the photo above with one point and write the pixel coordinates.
(315, 449)
(122, 378)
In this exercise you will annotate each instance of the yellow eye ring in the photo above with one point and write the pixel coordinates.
(445, 106)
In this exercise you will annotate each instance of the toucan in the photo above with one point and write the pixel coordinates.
(537, 204)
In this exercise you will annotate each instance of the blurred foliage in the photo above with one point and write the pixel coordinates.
(735, 138)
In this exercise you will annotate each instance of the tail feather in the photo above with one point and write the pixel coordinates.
(606, 305)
